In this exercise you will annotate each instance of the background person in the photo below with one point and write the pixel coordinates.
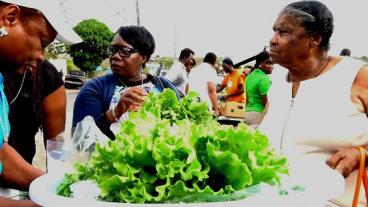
(320, 112)
(345, 52)
(178, 73)
(109, 98)
(202, 80)
(32, 25)
(234, 83)
(257, 85)
(37, 100)
(192, 64)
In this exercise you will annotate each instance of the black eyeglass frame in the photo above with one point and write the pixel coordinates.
(122, 51)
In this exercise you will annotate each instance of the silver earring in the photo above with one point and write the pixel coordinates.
(3, 32)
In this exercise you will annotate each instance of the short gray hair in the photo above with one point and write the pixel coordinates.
(315, 17)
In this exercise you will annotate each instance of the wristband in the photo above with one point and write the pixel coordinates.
(114, 115)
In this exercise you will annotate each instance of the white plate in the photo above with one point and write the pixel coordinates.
(43, 192)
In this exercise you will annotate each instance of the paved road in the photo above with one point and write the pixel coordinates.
(40, 157)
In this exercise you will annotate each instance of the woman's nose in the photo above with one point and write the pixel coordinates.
(273, 40)
(115, 56)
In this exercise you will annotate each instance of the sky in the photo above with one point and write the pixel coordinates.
(230, 28)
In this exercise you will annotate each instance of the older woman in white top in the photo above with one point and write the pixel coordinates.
(321, 109)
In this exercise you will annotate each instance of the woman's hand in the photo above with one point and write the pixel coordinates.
(131, 100)
(345, 161)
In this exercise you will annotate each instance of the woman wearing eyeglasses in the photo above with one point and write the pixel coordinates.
(108, 99)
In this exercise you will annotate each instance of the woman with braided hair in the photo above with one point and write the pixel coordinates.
(40, 96)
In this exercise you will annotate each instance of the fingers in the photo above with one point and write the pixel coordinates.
(134, 94)
(134, 107)
(344, 161)
(344, 167)
(131, 100)
(334, 160)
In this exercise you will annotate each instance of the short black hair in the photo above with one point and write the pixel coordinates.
(316, 19)
(185, 53)
(228, 61)
(345, 52)
(210, 58)
(262, 56)
(140, 38)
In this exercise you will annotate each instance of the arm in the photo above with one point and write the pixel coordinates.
(92, 95)
(263, 87)
(220, 88)
(359, 94)
(213, 96)
(266, 107)
(54, 110)
(264, 100)
(238, 92)
(347, 160)
(7, 202)
(223, 85)
(17, 173)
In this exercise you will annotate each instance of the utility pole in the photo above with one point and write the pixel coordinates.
(137, 11)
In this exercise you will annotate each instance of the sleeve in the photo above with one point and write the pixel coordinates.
(264, 85)
(174, 76)
(168, 84)
(89, 102)
(213, 76)
(51, 78)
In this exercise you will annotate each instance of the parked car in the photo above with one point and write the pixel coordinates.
(75, 79)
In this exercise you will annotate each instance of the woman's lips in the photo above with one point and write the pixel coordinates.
(273, 52)
(116, 67)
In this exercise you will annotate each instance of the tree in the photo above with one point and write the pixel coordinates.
(96, 36)
(166, 61)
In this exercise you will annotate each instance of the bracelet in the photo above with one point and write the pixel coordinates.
(114, 115)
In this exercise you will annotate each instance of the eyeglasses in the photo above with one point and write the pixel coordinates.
(123, 51)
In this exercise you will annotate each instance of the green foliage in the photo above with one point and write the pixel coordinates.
(166, 61)
(172, 149)
(105, 64)
(70, 65)
(92, 51)
(364, 58)
(55, 49)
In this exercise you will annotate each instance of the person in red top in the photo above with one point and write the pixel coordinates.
(234, 83)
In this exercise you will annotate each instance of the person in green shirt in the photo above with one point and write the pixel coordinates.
(257, 85)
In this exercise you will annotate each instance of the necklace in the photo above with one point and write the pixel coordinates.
(324, 68)
(288, 78)
(20, 88)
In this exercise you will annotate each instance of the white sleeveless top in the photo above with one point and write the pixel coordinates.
(321, 118)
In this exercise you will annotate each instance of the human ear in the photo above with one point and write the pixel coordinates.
(143, 59)
(316, 41)
(10, 15)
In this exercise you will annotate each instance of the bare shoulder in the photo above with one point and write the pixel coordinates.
(362, 77)
(360, 90)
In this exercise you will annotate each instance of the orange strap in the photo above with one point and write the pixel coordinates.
(361, 175)
(365, 183)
